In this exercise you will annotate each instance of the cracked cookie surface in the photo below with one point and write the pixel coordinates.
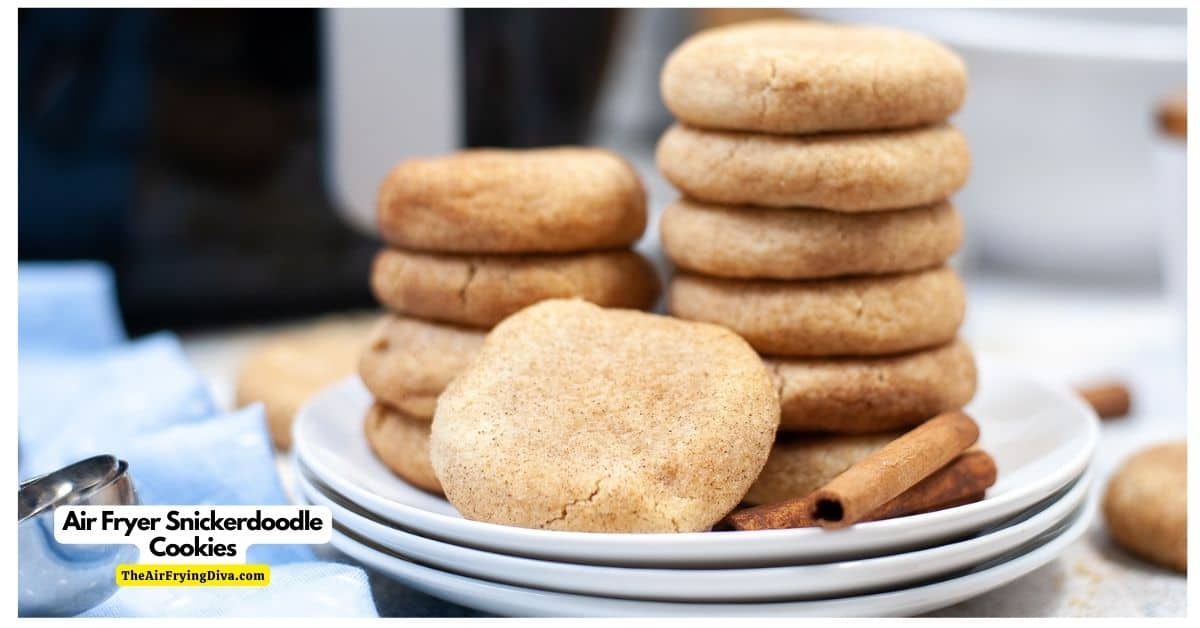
(575, 417)
(828, 317)
(795, 243)
(851, 172)
(789, 76)
(513, 201)
(408, 362)
(482, 290)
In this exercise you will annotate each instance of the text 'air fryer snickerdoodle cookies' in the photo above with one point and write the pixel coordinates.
(474, 237)
(574, 417)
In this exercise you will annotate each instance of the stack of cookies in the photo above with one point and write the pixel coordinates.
(815, 163)
(472, 238)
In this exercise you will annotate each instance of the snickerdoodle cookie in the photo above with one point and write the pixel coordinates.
(794, 243)
(408, 362)
(287, 369)
(1146, 505)
(843, 172)
(401, 442)
(830, 317)
(857, 395)
(513, 201)
(801, 463)
(576, 417)
(481, 290)
(790, 76)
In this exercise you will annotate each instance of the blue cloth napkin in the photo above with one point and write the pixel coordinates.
(85, 390)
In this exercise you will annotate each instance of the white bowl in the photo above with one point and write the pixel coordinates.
(1040, 434)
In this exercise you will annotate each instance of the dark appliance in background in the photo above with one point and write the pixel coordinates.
(185, 148)
(547, 63)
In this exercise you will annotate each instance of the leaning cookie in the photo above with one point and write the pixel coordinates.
(860, 316)
(801, 463)
(795, 243)
(576, 417)
(408, 362)
(845, 172)
(401, 443)
(482, 290)
(858, 395)
(805, 77)
(1146, 505)
(513, 201)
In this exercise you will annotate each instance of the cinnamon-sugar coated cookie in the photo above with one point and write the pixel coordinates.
(575, 417)
(842, 171)
(513, 201)
(859, 395)
(481, 290)
(860, 316)
(801, 463)
(401, 443)
(1146, 505)
(791, 76)
(407, 362)
(795, 243)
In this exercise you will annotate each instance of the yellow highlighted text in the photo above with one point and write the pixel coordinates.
(193, 575)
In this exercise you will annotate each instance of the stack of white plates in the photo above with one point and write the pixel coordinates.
(1041, 436)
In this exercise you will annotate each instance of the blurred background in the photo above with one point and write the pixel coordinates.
(224, 162)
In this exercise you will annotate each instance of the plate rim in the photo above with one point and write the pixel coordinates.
(1011, 535)
(929, 596)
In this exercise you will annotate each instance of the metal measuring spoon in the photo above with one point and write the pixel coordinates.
(56, 579)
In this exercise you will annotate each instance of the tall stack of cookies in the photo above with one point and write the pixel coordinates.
(472, 238)
(815, 163)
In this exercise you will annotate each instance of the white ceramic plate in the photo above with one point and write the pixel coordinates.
(1041, 436)
(707, 585)
(511, 600)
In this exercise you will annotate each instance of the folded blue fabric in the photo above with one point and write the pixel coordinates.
(68, 306)
(84, 390)
(77, 404)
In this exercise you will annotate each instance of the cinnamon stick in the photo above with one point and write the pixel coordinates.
(893, 469)
(1108, 399)
(970, 474)
(962, 481)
